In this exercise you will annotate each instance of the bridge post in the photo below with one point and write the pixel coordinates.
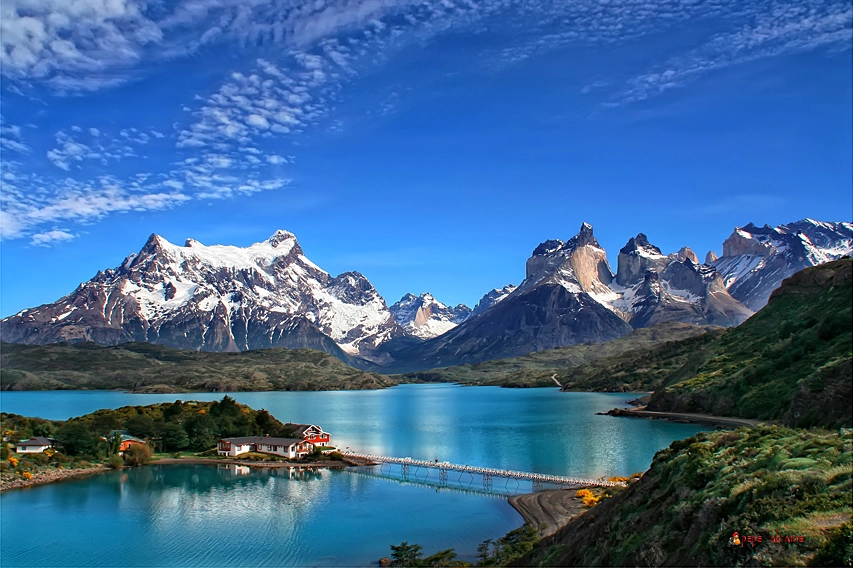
(404, 469)
(442, 475)
(487, 481)
(537, 485)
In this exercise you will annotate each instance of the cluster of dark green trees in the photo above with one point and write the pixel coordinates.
(513, 546)
(171, 427)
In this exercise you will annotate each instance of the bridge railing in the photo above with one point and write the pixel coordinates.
(486, 471)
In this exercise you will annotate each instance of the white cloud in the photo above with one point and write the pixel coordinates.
(51, 237)
(94, 132)
(84, 44)
(276, 160)
(11, 139)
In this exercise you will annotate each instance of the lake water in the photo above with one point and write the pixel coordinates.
(207, 516)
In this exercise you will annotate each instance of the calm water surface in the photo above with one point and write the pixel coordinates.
(207, 516)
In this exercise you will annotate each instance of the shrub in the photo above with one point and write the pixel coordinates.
(116, 462)
(138, 454)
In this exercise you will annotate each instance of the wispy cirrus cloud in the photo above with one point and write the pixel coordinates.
(29, 201)
(781, 30)
(11, 138)
(299, 58)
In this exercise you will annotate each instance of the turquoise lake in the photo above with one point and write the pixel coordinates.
(215, 516)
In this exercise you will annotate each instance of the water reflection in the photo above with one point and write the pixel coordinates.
(197, 515)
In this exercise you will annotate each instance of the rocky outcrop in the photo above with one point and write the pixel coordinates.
(636, 258)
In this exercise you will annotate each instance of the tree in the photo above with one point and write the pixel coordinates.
(442, 558)
(105, 422)
(76, 439)
(225, 407)
(142, 426)
(175, 437)
(406, 554)
(202, 431)
(138, 454)
(114, 443)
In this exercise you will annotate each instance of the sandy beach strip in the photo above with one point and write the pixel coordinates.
(552, 508)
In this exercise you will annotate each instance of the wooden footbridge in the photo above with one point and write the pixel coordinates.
(487, 473)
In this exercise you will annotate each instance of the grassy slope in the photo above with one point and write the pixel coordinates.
(790, 361)
(536, 369)
(700, 490)
(145, 367)
(638, 369)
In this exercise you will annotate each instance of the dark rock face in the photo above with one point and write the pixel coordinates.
(545, 317)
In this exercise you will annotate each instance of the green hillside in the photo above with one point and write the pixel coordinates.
(144, 367)
(764, 481)
(791, 361)
(537, 369)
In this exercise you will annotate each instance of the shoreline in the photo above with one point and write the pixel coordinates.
(685, 417)
(552, 508)
(53, 476)
(249, 463)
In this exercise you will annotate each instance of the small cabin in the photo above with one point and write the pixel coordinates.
(34, 445)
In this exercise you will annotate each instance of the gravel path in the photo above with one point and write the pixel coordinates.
(552, 508)
(641, 412)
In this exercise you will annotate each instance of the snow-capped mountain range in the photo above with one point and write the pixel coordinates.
(217, 298)
(756, 259)
(228, 298)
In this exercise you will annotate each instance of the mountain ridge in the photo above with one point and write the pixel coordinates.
(269, 294)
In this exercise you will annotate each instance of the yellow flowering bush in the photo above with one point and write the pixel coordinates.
(27, 475)
(588, 497)
(13, 461)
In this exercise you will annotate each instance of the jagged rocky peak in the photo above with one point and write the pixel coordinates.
(636, 258)
(685, 253)
(425, 317)
(585, 236)
(492, 297)
(710, 257)
(750, 240)
(578, 262)
(279, 237)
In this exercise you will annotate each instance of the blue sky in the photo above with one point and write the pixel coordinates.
(429, 145)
